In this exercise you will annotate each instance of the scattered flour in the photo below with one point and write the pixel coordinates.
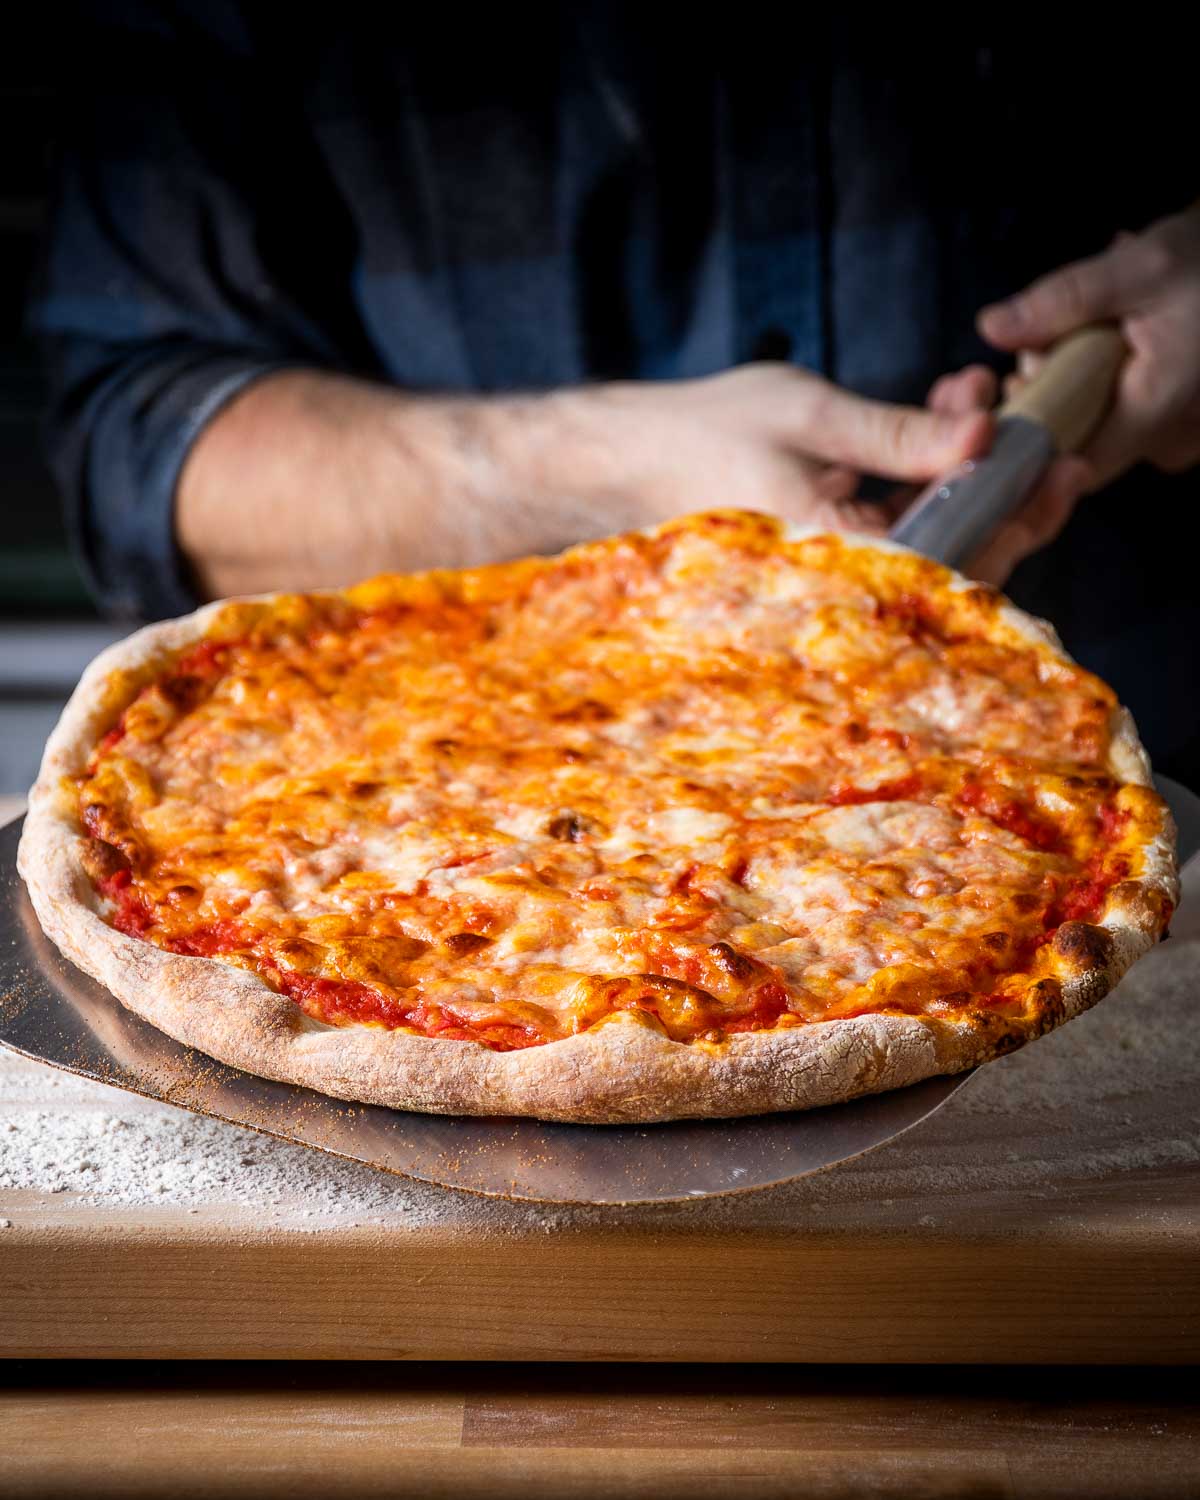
(67, 1135)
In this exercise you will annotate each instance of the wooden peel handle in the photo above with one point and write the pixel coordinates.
(1074, 388)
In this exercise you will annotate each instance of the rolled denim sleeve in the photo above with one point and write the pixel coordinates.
(162, 292)
(117, 450)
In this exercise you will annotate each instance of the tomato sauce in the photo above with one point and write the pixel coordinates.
(1007, 813)
(767, 1004)
(114, 736)
(212, 939)
(902, 789)
(205, 660)
(913, 613)
(133, 916)
(342, 1000)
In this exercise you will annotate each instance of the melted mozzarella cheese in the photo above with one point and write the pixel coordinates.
(638, 759)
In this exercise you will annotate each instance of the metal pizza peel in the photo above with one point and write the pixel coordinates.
(52, 1012)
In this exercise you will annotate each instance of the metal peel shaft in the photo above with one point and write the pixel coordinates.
(1054, 412)
(954, 516)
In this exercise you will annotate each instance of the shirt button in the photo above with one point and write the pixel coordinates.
(772, 343)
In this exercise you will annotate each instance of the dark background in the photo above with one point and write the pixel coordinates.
(36, 571)
(49, 630)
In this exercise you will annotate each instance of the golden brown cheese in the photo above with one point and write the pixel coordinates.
(732, 781)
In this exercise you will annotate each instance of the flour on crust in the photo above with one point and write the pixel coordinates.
(622, 1070)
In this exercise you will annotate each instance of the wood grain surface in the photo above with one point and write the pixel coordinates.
(1049, 1213)
(581, 1431)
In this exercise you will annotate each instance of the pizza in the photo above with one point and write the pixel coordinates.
(716, 819)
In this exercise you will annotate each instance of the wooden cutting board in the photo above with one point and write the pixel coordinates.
(1049, 1213)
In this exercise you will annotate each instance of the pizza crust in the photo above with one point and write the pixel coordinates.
(621, 1071)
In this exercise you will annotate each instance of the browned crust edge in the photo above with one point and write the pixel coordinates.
(623, 1071)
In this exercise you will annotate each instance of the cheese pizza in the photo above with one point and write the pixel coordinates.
(717, 819)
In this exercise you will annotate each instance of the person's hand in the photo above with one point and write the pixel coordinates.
(1046, 511)
(1149, 284)
(768, 437)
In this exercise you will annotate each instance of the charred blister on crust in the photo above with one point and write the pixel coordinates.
(1082, 946)
(1045, 1006)
(1006, 1039)
(999, 1032)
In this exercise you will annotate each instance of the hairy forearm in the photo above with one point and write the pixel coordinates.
(309, 480)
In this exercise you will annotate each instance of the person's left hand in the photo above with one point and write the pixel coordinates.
(1149, 285)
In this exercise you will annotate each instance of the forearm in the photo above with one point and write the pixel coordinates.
(310, 480)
